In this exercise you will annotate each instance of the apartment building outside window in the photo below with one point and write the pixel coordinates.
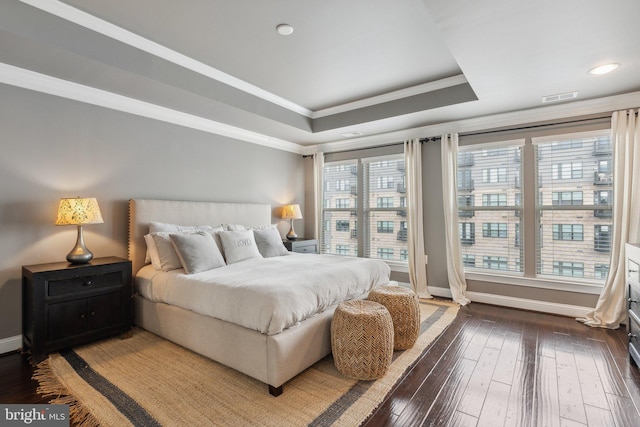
(566, 196)
(370, 219)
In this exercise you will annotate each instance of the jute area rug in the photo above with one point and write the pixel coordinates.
(147, 380)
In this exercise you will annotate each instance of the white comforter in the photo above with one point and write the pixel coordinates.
(270, 294)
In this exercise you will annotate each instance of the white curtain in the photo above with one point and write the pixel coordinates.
(415, 239)
(318, 185)
(610, 309)
(455, 268)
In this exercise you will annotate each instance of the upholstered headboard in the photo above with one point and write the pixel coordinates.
(143, 211)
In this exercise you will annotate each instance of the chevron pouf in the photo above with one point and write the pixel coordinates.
(362, 339)
(404, 308)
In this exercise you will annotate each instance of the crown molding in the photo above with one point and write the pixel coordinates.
(43, 83)
(494, 121)
(391, 96)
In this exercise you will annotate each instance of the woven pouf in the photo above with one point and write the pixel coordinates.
(362, 339)
(403, 305)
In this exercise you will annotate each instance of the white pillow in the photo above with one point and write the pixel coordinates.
(158, 227)
(152, 252)
(270, 243)
(197, 252)
(239, 246)
(167, 256)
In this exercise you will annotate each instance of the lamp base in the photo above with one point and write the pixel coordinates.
(79, 254)
(291, 235)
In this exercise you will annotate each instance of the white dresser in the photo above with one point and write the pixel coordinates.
(633, 292)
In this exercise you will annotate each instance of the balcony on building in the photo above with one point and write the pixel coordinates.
(602, 244)
(402, 188)
(401, 166)
(466, 185)
(601, 178)
(354, 234)
(354, 170)
(401, 213)
(466, 213)
(402, 235)
(468, 240)
(465, 160)
(602, 148)
(354, 190)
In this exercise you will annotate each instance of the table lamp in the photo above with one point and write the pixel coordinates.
(291, 212)
(79, 212)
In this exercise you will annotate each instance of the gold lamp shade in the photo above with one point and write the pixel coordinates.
(79, 211)
(291, 212)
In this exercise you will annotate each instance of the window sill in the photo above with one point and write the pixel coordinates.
(583, 287)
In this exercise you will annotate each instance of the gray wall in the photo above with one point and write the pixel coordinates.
(52, 148)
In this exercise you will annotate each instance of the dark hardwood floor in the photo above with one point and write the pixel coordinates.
(496, 366)
(493, 366)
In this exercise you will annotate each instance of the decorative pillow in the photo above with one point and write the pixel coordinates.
(161, 227)
(152, 252)
(215, 232)
(270, 243)
(167, 256)
(239, 245)
(197, 252)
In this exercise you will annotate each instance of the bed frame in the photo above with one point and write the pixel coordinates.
(271, 359)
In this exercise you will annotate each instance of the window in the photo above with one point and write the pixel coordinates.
(493, 229)
(566, 170)
(369, 217)
(385, 226)
(385, 202)
(494, 200)
(568, 232)
(343, 203)
(342, 250)
(494, 175)
(342, 225)
(469, 260)
(557, 203)
(467, 233)
(565, 210)
(385, 253)
(494, 262)
(343, 185)
(385, 182)
(568, 268)
(566, 198)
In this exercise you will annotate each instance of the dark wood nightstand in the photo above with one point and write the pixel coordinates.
(69, 304)
(633, 284)
(303, 246)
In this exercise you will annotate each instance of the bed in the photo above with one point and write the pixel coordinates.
(273, 352)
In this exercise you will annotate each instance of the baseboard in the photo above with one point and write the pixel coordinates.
(10, 344)
(521, 303)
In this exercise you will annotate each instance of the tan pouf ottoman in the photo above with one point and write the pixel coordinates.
(362, 339)
(404, 307)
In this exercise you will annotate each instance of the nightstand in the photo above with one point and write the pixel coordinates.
(69, 304)
(303, 246)
(633, 292)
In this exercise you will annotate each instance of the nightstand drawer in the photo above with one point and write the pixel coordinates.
(84, 283)
(304, 246)
(634, 299)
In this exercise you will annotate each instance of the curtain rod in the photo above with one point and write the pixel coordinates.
(489, 131)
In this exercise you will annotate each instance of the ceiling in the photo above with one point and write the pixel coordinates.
(350, 70)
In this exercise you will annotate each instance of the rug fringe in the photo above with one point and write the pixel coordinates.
(49, 386)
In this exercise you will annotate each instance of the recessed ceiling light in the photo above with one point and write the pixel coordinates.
(284, 29)
(604, 69)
